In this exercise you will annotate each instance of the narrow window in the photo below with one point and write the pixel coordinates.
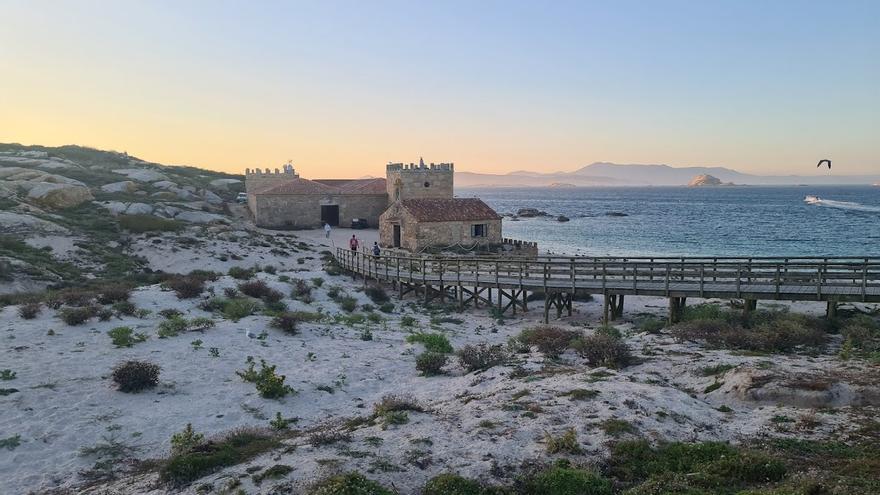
(478, 230)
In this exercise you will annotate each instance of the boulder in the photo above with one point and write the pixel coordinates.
(211, 197)
(114, 207)
(164, 184)
(562, 218)
(139, 209)
(18, 223)
(141, 174)
(59, 195)
(200, 217)
(530, 212)
(125, 186)
(184, 194)
(164, 195)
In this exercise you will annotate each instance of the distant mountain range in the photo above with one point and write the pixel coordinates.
(613, 174)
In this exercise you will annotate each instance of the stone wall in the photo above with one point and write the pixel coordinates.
(301, 211)
(412, 182)
(256, 179)
(416, 236)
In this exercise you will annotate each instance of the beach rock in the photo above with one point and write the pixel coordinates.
(171, 211)
(114, 207)
(200, 217)
(183, 194)
(59, 195)
(164, 184)
(18, 223)
(125, 186)
(141, 175)
(211, 197)
(139, 209)
(224, 183)
(562, 218)
(530, 213)
(164, 195)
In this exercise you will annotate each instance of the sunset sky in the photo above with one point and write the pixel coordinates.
(341, 88)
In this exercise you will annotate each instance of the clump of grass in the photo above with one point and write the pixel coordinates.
(761, 331)
(652, 325)
(273, 472)
(431, 363)
(139, 224)
(408, 321)
(110, 294)
(376, 294)
(29, 311)
(232, 309)
(581, 394)
(481, 356)
(125, 337)
(174, 326)
(565, 443)
(392, 403)
(603, 350)
(185, 441)
(186, 287)
(7, 375)
(453, 484)
(301, 291)
(77, 316)
(433, 342)
(240, 273)
(214, 454)
(563, 479)
(269, 384)
(259, 289)
(135, 376)
(718, 369)
(616, 427)
(387, 307)
(549, 340)
(10, 443)
(348, 484)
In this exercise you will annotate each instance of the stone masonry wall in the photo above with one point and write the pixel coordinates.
(412, 183)
(304, 211)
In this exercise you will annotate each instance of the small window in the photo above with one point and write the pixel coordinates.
(478, 230)
(427, 184)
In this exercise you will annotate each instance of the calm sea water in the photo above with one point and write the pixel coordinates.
(727, 221)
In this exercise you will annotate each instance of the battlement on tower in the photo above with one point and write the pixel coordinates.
(419, 180)
(255, 179)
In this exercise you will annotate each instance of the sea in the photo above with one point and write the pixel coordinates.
(703, 221)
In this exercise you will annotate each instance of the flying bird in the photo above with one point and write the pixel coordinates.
(824, 161)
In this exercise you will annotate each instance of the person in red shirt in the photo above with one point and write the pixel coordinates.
(353, 243)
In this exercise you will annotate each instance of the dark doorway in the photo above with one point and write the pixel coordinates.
(330, 214)
(397, 236)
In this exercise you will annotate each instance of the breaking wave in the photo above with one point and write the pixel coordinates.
(843, 205)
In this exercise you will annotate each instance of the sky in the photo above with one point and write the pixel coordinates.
(343, 87)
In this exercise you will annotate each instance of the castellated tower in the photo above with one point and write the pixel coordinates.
(418, 180)
(256, 179)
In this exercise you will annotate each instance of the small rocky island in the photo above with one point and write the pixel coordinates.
(704, 180)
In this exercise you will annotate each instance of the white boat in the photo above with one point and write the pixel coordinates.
(812, 199)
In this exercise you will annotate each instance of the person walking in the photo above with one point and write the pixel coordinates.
(376, 250)
(327, 230)
(353, 243)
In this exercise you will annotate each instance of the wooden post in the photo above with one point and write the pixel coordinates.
(831, 309)
(605, 308)
(546, 307)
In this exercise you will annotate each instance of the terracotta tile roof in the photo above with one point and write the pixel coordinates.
(299, 186)
(449, 209)
(327, 186)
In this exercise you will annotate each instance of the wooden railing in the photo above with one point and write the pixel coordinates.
(791, 278)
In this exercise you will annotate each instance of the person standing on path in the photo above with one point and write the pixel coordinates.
(353, 243)
(376, 250)
(327, 230)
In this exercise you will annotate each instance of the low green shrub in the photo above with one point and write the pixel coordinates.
(113, 294)
(652, 325)
(549, 340)
(603, 350)
(564, 480)
(433, 342)
(134, 376)
(386, 307)
(269, 384)
(29, 311)
(376, 294)
(138, 224)
(481, 356)
(565, 443)
(186, 441)
(240, 273)
(762, 332)
(408, 321)
(77, 316)
(185, 287)
(211, 455)
(431, 363)
(347, 303)
(125, 337)
(348, 484)
(452, 484)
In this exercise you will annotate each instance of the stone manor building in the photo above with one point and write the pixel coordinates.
(413, 206)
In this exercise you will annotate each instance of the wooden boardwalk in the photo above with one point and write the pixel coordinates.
(508, 283)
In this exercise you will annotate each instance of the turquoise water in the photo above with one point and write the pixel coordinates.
(725, 221)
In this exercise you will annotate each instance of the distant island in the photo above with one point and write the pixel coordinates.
(614, 174)
(705, 180)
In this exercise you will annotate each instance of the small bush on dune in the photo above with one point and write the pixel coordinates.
(114, 294)
(125, 337)
(481, 356)
(134, 376)
(453, 484)
(258, 289)
(564, 480)
(301, 291)
(550, 341)
(762, 332)
(148, 223)
(318, 282)
(186, 441)
(124, 308)
(347, 303)
(567, 443)
(288, 322)
(186, 287)
(392, 403)
(386, 307)
(433, 342)
(603, 350)
(376, 294)
(29, 311)
(240, 273)
(76, 297)
(269, 384)
(172, 327)
(431, 363)
(348, 484)
(77, 316)
(208, 456)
